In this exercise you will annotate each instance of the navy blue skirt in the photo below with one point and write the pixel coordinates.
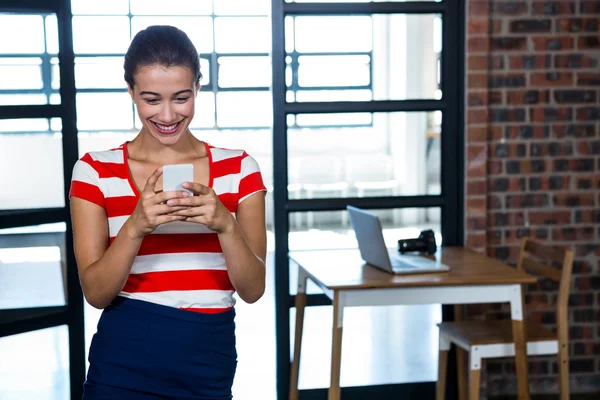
(148, 351)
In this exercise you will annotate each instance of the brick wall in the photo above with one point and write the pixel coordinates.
(533, 161)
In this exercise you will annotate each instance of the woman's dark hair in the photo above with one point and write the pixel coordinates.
(163, 45)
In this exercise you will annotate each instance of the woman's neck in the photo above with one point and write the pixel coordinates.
(144, 147)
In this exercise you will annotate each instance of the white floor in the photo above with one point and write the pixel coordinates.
(380, 345)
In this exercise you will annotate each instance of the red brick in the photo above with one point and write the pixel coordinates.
(478, 8)
(517, 97)
(476, 170)
(494, 237)
(551, 79)
(495, 167)
(476, 153)
(588, 42)
(477, 116)
(476, 223)
(476, 188)
(475, 240)
(588, 79)
(478, 44)
(537, 61)
(477, 99)
(550, 217)
(476, 205)
(545, 7)
(478, 26)
(495, 132)
(551, 114)
(476, 134)
(477, 81)
(573, 199)
(576, 61)
(570, 233)
(553, 43)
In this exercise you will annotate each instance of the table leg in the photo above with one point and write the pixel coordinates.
(461, 358)
(520, 340)
(336, 347)
(300, 305)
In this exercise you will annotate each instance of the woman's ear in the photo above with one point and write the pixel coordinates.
(130, 91)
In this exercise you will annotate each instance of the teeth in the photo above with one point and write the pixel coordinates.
(166, 128)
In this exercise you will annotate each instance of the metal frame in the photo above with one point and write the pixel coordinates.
(450, 201)
(25, 320)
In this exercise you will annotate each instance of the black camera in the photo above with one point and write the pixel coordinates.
(425, 243)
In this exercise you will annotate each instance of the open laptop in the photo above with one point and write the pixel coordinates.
(373, 251)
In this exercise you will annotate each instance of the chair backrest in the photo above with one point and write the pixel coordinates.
(538, 258)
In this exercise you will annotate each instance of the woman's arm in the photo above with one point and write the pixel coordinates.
(104, 268)
(244, 246)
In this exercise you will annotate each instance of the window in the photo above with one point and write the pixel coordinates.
(233, 38)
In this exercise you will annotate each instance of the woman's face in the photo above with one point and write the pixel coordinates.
(165, 99)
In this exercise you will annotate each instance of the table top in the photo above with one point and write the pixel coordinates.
(344, 269)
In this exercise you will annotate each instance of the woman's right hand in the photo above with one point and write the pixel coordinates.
(152, 209)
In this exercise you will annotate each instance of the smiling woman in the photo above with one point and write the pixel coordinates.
(164, 265)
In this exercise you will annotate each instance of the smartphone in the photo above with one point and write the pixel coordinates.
(174, 175)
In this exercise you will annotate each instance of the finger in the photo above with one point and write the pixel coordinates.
(164, 209)
(163, 197)
(190, 212)
(163, 219)
(151, 182)
(194, 201)
(196, 187)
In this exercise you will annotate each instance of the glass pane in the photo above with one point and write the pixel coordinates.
(199, 29)
(400, 55)
(31, 266)
(401, 156)
(244, 109)
(205, 69)
(99, 72)
(114, 38)
(243, 35)
(205, 111)
(42, 354)
(333, 34)
(108, 7)
(171, 7)
(21, 141)
(21, 73)
(326, 71)
(51, 34)
(242, 7)
(29, 29)
(22, 99)
(332, 95)
(244, 72)
(116, 111)
(55, 68)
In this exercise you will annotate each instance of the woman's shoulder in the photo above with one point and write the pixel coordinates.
(227, 153)
(101, 161)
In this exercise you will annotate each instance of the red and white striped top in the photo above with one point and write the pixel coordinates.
(181, 264)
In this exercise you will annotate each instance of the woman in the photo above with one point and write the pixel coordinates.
(164, 265)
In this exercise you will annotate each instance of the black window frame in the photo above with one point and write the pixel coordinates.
(452, 141)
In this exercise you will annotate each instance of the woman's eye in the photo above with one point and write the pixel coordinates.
(151, 101)
(182, 99)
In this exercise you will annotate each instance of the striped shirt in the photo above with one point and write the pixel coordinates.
(180, 264)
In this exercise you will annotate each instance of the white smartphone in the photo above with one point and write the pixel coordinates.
(174, 175)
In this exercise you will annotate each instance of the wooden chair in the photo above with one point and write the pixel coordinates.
(493, 339)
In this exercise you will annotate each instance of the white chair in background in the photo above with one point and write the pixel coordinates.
(318, 176)
(371, 174)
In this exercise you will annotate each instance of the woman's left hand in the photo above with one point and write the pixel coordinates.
(204, 208)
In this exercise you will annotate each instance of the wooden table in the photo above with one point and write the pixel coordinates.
(342, 275)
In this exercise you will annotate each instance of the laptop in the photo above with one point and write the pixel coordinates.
(373, 251)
